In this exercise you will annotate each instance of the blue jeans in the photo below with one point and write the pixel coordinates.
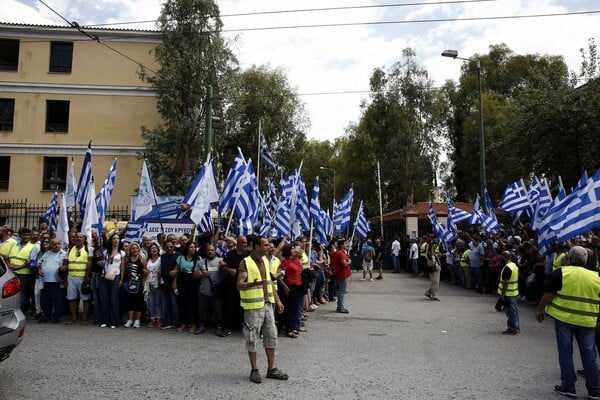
(395, 263)
(587, 350)
(512, 313)
(96, 295)
(414, 262)
(25, 281)
(342, 285)
(477, 277)
(458, 275)
(110, 301)
(170, 308)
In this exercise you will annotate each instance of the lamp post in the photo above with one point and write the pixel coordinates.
(333, 170)
(454, 54)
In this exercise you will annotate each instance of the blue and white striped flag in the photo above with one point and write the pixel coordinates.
(248, 201)
(515, 197)
(341, 212)
(475, 218)
(488, 204)
(84, 179)
(265, 154)
(236, 172)
(543, 203)
(302, 207)
(205, 224)
(267, 225)
(361, 225)
(328, 223)
(202, 194)
(315, 203)
(135, 231)
(71, 188)
(285, 186)
(90, 218)
(51, 213)
(146, 193)
(103, 198)
(442, 233)
(283, 216)
(62, 230)
(456, 214)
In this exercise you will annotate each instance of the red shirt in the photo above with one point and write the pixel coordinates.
(340, 270)
(293, 269)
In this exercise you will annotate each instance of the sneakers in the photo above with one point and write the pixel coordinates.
(276, 374)
(164, 328)
(362, 279)
(313, 307)
(255, 376)
(200, 330)
(158, 323)
(342, 311)
(379, 278)
(570, 393)
(151, 324)
(136, 324)
(435, 298)
(220, 332)
(103, 326)
(510, 332)
(129, 323)
(371, 280)
(113, 327)
(593, 396)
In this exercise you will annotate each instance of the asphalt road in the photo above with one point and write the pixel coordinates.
(394, 344)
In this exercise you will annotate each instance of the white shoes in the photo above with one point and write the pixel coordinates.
(362, 279)
(136, 324)
(371, 280)
(313, 306)
(129, 323)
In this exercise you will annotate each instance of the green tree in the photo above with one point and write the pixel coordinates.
(263, 94)
(192, 55)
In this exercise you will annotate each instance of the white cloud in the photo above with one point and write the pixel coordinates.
(339, 59)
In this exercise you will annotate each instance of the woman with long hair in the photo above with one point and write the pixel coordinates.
(133, 282)
(292, 288)
(113, 269)
(153, 287)
(210, 294)
(187, 286)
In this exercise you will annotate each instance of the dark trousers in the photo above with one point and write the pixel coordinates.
(25, 280)
(110, 301)
(188, 298)
(231, 308)
(170, 307)
(52, 301)
(210, 306)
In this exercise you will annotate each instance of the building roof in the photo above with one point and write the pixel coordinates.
(61, 27)
(421, 210)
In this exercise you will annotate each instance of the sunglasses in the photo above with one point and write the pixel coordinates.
(78, 254)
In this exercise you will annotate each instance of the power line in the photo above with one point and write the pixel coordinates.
(246, 14)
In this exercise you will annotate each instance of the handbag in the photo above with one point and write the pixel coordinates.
(110, 275)
(132, 286)
(499, 304)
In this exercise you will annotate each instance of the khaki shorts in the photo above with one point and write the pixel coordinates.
(257, 322)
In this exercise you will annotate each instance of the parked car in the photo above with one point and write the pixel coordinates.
(12, 319)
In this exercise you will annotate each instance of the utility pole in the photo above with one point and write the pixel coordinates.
(208, 123)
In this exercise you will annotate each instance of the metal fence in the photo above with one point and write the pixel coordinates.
(20, 213)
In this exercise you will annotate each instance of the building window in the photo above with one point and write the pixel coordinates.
(55, 173)
(57, 115)
(7, 113)
(4, 172)
(9, 54)
(61, 56)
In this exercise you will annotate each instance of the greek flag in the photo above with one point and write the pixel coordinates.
(135, 231)
(285, 186)
(456, 214)
(146, 193)
(205, 224)
(202, 194)
(541, 206)
(90, 218)
(248, 201)
(302, 208)
(315, 203)
(442, 233)
(62, 230)
(475, 218)
(267, 225)
(488, 204)
(236, 172)
(51, 212)
(103, 198)
(282, 222)
(341, 211)
(71, 188)
(361, 225)
(265, 154)
(515, 198)
(84, 179)
(327, 223)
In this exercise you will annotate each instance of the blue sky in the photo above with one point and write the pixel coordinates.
(340, 59)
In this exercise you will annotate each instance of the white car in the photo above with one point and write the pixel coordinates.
(12, 319)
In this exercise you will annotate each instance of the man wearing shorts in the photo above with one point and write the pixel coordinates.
(368, 253)
(257, 296)
(78, 266)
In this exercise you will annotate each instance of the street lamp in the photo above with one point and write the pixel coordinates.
(330, 169)
(454, 54)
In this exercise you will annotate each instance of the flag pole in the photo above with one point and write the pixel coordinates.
(258, 155)
(380, 201)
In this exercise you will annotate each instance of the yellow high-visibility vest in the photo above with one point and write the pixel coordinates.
(577, 302)
(77, 265)
(513, 282)
(558, 260)
(20, 257)
(253, 297)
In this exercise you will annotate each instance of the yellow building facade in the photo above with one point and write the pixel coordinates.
(59, 89)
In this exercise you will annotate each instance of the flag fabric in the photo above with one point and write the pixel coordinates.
(315, 203)
(442, 233)
(227, 199)
(62, 230)
(84, 179)
(302, 207)
(285, 186)
(456, 214)
(103, 197)
(202, 194)
(515, 197)
(561, 189)
(488, 204)
(270, 197)
(71, 188)
(328, 223)
(544, 201)
(267, 225)
(361, 225)
(247, 201)
(265, 154)
(90, 218)
(146, 193)
(341, 212)
(205, 224)
(282, 222)
(475, 218)
(51, 213)
(135, 231)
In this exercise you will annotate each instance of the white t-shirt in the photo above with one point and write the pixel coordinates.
(396, 248)
(153, 268)
(113, 264)
(414, 251)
